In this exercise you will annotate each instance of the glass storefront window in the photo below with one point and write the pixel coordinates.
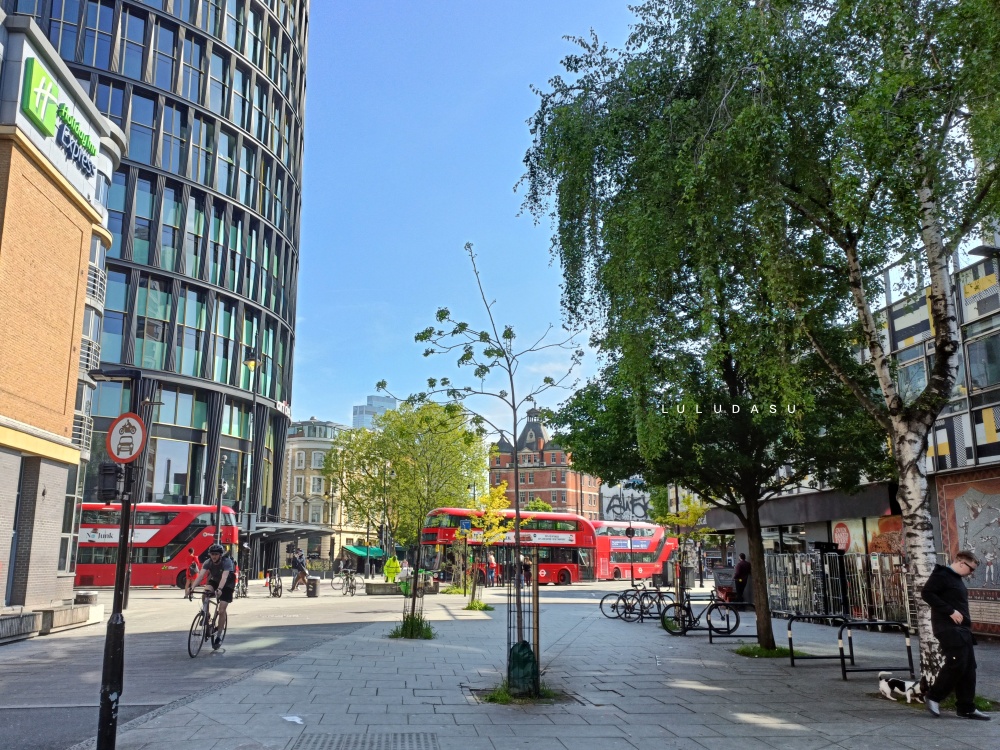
(984, 362)
(177, 470)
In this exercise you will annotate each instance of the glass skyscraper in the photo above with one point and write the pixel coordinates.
(204, 212)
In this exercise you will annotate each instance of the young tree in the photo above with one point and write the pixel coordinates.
(539, 506)
(836, 136)
(494, 354)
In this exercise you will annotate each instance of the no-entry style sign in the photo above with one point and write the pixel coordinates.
(126, 438)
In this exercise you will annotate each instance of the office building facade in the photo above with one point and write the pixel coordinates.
(365, 413)
(204, 220)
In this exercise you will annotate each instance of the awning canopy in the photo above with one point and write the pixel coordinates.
(364, 551)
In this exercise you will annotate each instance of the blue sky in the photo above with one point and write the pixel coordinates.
(415, 134)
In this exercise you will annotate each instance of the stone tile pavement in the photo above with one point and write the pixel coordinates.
(625, 686)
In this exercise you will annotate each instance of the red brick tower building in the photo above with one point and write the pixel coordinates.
(546, 473)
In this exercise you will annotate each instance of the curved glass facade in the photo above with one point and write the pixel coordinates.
(204, 214)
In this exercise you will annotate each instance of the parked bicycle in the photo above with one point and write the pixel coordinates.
(350, 585)
(338, 580)
(204, 627)
(720, 617)
(274, 582)
(636, 603)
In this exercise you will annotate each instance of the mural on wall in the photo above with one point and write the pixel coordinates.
(974, 508)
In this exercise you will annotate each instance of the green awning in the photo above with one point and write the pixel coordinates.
(364, 551)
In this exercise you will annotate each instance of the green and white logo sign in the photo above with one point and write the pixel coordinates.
(40, 98)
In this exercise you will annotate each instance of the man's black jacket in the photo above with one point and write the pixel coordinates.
(945, 592)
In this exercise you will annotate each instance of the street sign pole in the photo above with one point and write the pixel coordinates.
(125, 441)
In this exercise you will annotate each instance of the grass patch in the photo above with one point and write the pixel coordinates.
(501, 695)
(479, 606)
(413, 626)
(756, 651)
(453, 589)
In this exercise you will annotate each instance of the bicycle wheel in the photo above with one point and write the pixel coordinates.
(352, 588)
(609, 606)
(675, 619)
(628, 607)
(196, 636)
(276, 586)
(651, 605)
(337, 582)
(722, 618)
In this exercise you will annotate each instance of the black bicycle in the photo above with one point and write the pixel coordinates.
(205, 627)
(350, 584)
(719, 617)
(274, 582)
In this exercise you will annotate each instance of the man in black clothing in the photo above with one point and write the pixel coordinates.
(948, 598)
(741, 575)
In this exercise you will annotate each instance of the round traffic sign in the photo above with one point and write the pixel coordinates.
(126, 438)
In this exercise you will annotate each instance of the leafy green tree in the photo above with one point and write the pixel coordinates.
(539, 506)
(831, 137)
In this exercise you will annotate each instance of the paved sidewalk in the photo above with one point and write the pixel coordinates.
(627, 686)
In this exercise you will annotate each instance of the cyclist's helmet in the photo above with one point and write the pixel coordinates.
(216, 549)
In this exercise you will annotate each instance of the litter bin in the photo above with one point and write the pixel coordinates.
(312, 586)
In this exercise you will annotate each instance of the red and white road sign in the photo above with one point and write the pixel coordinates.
(126, 438)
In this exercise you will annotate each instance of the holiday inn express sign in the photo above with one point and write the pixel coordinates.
(41, 103)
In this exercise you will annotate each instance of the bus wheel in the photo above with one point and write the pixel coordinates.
(617, 574)
(181, 580)
(565, 579)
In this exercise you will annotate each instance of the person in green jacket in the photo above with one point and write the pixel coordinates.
(391, 569)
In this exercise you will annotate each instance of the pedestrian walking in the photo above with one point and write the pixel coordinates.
(741, 574)
(299, 566)
(491, 570)
(946, 594)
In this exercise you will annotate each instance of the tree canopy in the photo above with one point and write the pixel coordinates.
(726, 192)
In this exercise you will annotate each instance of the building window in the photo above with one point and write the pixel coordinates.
(142, 220)
(211, 17)
(247, 169)
(28, 7)
(224, 341)
(555, 497)
(110, 100)
(163, 56)
(300, 485)
(194, 253)
(563, 476)
(315, 514)
(218, 83)
(70, 523)
(260, 114)
(201, 150)
(116, 213)
(97, 34)
(192, 63)
(563, 498)
(552, 477)
(234, 24)
(225, 170)
(153, 316)
(216, 249)
(63, 27)
(241, 99)
(316, 485)
(191, 316)
(170, 233)
(140, 137)
(255, 49)
(531, 477)
(984, 362)
(174, 137)
(317, 459)
(133, 37)
(521, 496)
(300, 459)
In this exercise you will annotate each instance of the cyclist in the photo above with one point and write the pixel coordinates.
(220, 573)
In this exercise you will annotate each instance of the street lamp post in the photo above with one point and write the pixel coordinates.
(252, 361)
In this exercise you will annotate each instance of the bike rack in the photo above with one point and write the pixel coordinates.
(828, 620)
(868, 623)
(739, 607)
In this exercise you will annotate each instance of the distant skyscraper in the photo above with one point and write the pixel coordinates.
(376, 405)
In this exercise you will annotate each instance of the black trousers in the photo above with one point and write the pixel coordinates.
(958, 673)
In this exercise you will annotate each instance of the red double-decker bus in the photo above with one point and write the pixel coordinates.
(565, 542)
(160, 541)
(645, 552)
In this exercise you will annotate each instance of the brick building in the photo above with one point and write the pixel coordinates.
(546, 472)
(57, 153)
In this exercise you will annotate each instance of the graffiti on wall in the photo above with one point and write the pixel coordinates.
(627, 506)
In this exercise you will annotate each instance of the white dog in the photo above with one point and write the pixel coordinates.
(890, 686)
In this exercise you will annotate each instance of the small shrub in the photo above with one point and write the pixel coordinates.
(479, 606)
(500, 694)
(413, 626)
(755, 651)
(453, 589)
